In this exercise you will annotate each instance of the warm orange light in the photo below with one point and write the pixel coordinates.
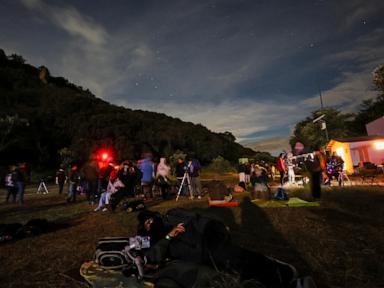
(379, 145)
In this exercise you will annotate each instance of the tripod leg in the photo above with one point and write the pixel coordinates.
(181, 186)
(189, 187)
(39, 189)
(45, 188)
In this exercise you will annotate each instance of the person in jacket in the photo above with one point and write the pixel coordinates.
(114, 185)
(20, 178)
(194, 176)
(73, 179)
(281, 168)
(147, 168)
(90, 173)
(162, 178)
(60, 179)
(10, 184)
(130, 175)
(181, 171)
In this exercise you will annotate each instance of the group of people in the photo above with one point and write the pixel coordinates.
(285, 165)
(129, 179)
(322, 168)
(15, 181)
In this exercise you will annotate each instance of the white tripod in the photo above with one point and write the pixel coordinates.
(42, 188)
(185, 178)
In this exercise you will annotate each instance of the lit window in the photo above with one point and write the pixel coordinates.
(379, 145)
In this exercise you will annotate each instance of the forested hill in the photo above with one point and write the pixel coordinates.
(41, 114)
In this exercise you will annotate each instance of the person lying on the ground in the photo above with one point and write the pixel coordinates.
(202, 246)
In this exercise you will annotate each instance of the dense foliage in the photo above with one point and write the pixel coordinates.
(41, 115)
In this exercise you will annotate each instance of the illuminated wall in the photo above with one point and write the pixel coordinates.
(354, 152)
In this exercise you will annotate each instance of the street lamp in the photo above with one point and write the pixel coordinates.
(323, 125)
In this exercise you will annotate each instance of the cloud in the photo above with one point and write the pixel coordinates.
(69, 19)
(348, 94)
(227, 73)
(242, 118)
(359, 12)
(273, 145)
(354, 84)
(91, 57)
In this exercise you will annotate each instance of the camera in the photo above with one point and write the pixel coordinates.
(139, 242)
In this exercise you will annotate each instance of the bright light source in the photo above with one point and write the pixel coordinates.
(379, 145)
(104, 156)
(340, 152)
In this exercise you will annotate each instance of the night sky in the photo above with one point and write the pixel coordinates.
(253, 68)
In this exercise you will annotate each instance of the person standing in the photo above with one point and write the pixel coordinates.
(61, 178)
(147, 168)
(162, 178)
(241, 171)
(280, 166)
(10, 184)
(194, 174)
(291, 171)
(181, 168)
(315, 166)
(20, 179)
(90, 173)
(248, 169)
(73, 182)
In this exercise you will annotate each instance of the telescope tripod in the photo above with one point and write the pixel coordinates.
(42, 188)
(188, 187)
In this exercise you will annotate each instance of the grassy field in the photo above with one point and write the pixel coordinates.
(340, 243)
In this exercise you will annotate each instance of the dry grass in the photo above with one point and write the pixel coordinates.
(340, 243)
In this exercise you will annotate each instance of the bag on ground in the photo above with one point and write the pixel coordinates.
(280, 194)
(110, 253)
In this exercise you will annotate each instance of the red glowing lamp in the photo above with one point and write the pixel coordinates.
(104, 155)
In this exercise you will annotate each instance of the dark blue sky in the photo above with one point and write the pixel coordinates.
(251, 67)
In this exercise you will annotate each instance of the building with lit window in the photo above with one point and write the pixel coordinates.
(362, 149)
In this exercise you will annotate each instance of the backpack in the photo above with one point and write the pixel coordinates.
(280, 194)
(110, 253)
(122, 253)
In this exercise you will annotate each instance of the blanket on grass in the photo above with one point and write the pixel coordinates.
(292, 202)
(103, 278)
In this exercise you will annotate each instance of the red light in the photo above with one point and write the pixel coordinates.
(104, 156)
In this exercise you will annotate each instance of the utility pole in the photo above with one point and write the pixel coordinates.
(321, 99)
